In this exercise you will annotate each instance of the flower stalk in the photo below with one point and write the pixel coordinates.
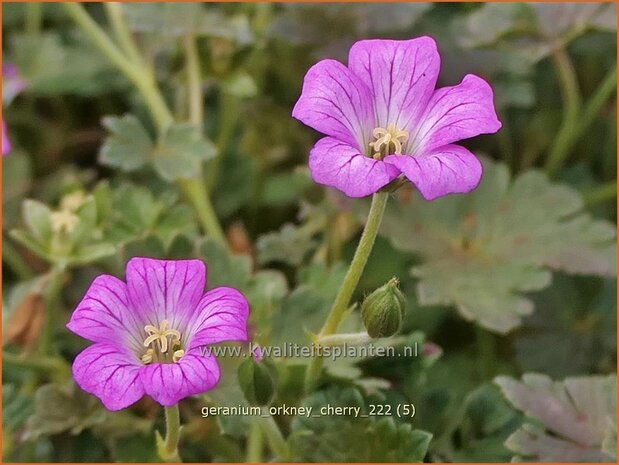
(133, 67)
(357, 265)
(168, 451)
(274, 437)
(52, 297)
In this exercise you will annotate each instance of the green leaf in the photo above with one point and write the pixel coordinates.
(305, 308)
(16, 183)
(59, 408)
(16, 407)
(92, 253)
(187, 18)
(487, 422)
(482, 250)
(340, 438)
(574, 416)
(291, 244)
(181, 151)
(264, 289)
(56, 65)
(129, 146)
(28, 241)
(37, 219)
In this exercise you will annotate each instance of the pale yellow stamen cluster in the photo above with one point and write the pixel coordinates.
(385, 138)
(73, 201)
(63, 221)
(159, 336)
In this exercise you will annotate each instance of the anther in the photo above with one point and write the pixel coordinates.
(385, 138)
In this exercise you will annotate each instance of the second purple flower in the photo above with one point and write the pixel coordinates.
(383, 118)
(149, 333)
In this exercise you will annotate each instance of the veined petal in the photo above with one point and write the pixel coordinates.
(165, 289)
(402, 75)
(168, 383)
(105, 315)
(110, 373)
(221, 316)
(337, 103)
(337, 164)
(451, 169)
(455, 113)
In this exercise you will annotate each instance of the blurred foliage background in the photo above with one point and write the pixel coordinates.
(518, 277)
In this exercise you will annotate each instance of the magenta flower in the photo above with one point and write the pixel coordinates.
(383, 118)
(6, 145)
(12, 83)
(149, 334)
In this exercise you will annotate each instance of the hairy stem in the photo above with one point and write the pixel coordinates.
(254, 442)
(52, 297)
(143, 78)
(357, 265)
(572, 103)
(169, 451)
(601, 194)
(194, 81)
(116, 17)
(274, 437)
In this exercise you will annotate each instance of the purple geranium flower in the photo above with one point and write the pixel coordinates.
(12, 83)
(384, 118)
(150, 333)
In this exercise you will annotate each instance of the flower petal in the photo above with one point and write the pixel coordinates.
(168, 383)
(104, 314)
(337, 103)
(221, 316)
(456, 113)
(402, 75)
(6, 144)
(109, 373)
(337, 164)
(452, 169)
(165, 289)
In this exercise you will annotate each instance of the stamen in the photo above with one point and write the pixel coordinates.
(385, 138)
(178, 354)
(147, 357)
(160, 337)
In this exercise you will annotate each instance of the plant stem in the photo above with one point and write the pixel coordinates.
(568, 136)
(356, 339)
(123, 35)
(143, 79)
(357, 265)
(197, 194)
(274, 437)
(44, 364)
(52, 295)
(486, 353)
(601, 194)
(12, 257)
(571, 103)
(194, 81)
(254, 442)
(169, 452)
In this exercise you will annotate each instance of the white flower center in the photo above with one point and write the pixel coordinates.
(159, 348)
(385, 139)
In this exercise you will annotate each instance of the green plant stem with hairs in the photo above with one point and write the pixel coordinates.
(143, 78)
(576, 118)
(357, 265)
(168, 448)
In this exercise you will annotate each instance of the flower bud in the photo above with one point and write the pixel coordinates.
(383, 310)
(256, 383)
